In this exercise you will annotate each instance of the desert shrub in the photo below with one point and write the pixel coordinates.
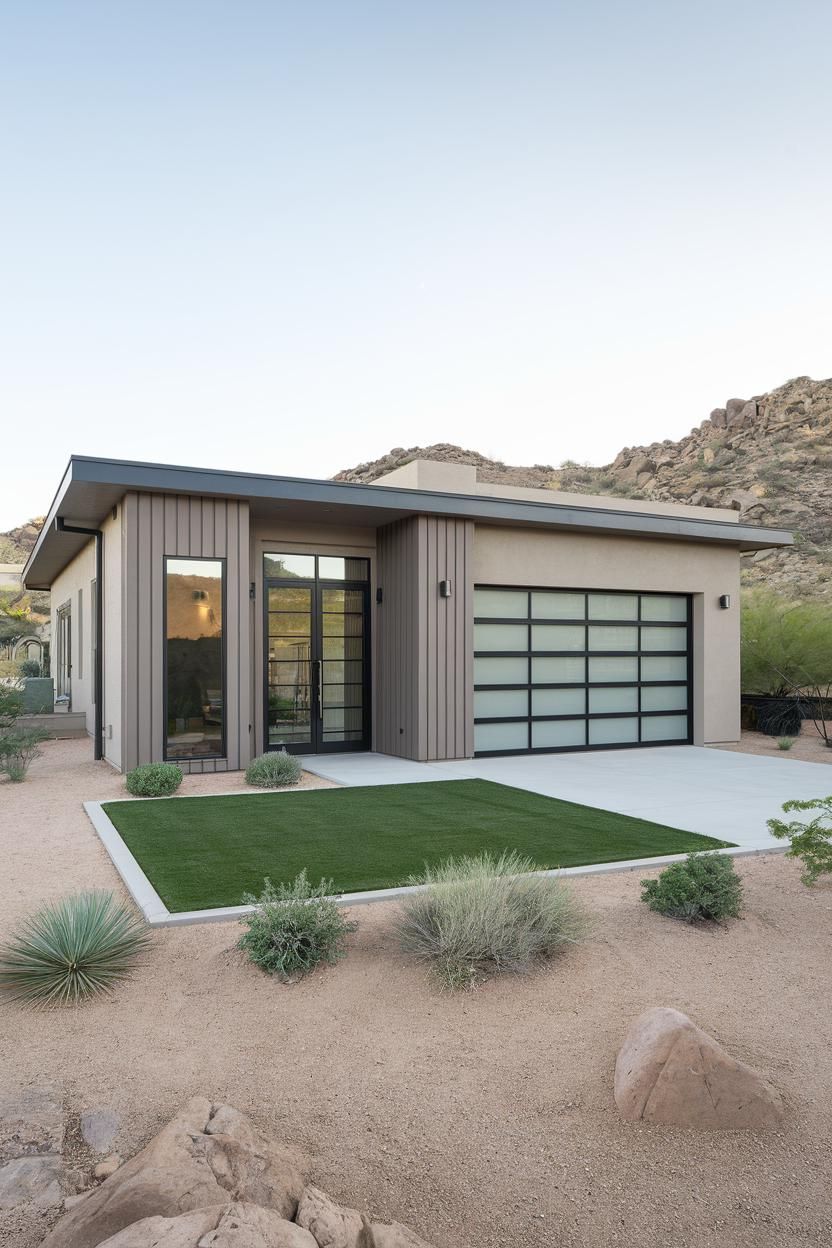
(18, 747)
(785, 743)
(704, 886)
(11, 705)
(294, 927)
(153, 780)
(482, 913)
(786, 645)
(274, 770)
(70, 950)
(812, 841)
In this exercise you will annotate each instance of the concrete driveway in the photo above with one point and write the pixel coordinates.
(714, 792)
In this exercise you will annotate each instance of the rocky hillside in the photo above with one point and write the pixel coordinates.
(769, 457)
(16, 544)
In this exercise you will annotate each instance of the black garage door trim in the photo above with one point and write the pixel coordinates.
(588, 716)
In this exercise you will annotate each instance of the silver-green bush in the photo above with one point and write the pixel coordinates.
(482, 913)
(274, 771)
(153, 780)
(294, 927)
(70, 950)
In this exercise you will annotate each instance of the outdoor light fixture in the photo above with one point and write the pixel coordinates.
(444, 589)
(379, 595)
(725, 601)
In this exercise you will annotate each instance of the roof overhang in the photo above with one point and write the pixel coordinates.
(92, 487)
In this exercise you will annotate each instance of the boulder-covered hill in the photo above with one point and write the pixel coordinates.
(769, 457)
(17, 543)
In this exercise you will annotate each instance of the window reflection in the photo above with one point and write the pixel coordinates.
(195, 666)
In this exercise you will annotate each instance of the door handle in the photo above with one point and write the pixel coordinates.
(319, 670)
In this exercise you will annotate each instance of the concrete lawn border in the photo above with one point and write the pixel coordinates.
(157, 914)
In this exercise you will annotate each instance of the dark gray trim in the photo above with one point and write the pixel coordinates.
(99, 483)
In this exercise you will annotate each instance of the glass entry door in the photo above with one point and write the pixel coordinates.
(317, 653)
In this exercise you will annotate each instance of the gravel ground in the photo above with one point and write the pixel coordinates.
(808, 746)
(483, 1119)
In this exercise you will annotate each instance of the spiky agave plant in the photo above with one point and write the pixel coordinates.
(72, 949)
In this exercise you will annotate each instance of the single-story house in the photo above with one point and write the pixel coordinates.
(205, 616)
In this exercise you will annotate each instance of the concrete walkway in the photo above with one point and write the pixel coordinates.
(714, 792)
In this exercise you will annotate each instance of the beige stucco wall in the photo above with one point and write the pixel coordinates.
(505, 556)
(77, 578)
(73, 587)
(428, 474)
(113, 646)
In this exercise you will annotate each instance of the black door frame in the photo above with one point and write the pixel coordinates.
(316, 744)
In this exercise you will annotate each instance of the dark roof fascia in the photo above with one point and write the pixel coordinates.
(171, 478)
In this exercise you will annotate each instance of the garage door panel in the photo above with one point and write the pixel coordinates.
(573, 669)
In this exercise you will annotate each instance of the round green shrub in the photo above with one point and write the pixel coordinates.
(294, 927)
(153, 780)
(704, 886)
(274, 771)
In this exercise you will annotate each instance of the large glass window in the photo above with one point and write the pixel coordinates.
(626, 682)
(195, 659)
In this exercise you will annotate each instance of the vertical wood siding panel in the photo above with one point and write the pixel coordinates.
(421, 687)
(183, 526)
(207, 544)
(232, 636)
(195, 525)
(157, 626)
(131, 630)
(220, 526)
(144, 629)
(244, 652)
(468, 640)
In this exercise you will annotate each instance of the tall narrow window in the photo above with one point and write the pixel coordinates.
(195, 658)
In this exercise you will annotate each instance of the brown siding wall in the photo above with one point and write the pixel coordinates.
(397, 642)
(424, 679)
(156, 525)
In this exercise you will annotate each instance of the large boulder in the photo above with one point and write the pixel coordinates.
(670, 1071)
(206, 1155)
(216, 1226)
(332, 1225)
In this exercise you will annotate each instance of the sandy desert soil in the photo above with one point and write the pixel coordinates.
(483, 1119)
(808, 746)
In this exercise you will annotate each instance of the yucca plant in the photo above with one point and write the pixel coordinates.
(72, 949)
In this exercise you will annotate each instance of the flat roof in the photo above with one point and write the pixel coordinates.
(91, 487)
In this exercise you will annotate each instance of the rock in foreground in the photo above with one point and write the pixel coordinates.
(670, 1071)
(207, 1155)
(216, 1226)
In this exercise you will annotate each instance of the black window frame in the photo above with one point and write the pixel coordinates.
(586, 684)
(223, 754)
(318, 584)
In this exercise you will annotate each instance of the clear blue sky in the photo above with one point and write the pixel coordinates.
(290, 236)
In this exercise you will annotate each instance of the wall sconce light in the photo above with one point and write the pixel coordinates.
(445, 589)
(725, 601)
(379, 595)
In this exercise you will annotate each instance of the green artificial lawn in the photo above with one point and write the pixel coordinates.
(201, 852)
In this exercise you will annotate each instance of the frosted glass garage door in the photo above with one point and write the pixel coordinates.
(570, 670)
